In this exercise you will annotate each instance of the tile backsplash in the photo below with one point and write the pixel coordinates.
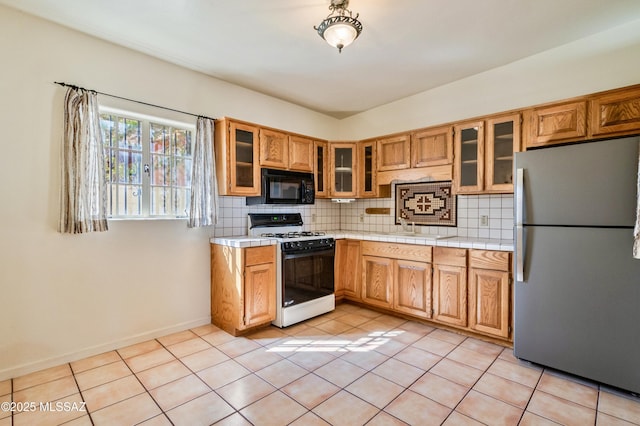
(326, 216)
(498, 209)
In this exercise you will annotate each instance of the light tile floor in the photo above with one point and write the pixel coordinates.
(350, 367)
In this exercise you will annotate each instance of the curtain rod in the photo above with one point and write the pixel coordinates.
(73, 86)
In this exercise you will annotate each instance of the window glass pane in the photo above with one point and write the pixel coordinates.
(158, 162)
(159, 200)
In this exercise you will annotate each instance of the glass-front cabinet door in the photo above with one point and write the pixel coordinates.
(321, 167)
(343, 178)
(503, 139)
(469, 157)
(366, 173)
(244, 170)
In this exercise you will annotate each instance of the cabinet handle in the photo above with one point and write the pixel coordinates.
(519, 225)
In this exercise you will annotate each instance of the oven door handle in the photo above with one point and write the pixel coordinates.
(307, 253)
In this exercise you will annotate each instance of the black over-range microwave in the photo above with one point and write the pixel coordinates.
(285, 187)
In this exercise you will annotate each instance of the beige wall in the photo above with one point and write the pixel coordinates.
(64, 297)
(604, 61)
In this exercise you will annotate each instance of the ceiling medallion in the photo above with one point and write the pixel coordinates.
(340, 28)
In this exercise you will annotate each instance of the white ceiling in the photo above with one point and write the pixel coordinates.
(406, 47)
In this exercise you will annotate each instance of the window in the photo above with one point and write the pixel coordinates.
(148, 165)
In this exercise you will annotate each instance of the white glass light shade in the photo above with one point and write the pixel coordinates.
(340, 35)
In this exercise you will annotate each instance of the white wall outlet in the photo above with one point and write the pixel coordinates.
(313, 217)
(361, 217)
(484, 220)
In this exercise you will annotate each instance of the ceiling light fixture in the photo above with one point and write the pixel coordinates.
(340, 28)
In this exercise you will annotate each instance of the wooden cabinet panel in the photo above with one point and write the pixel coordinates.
(300, 154)
(258, 255)
(489, 304)
(397, 251)
(259, 294)
(243, 287)
(347, 269)
(342, 162)
(468, 168)
(377, 281)
(321, 169)
(490, 259)
(394, 153)
(556, 124)
(237, 164)
(432, 147)
(450, 286)
(450, 256)
(367, 187)
(502, 141)
(274, 149)
(616, 113)
(412, 288)
(450, 294)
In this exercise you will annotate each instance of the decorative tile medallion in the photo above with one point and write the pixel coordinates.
(428, 203)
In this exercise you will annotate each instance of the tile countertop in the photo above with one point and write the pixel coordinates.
(462, 242)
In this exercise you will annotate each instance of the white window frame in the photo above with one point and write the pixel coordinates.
(146, 121)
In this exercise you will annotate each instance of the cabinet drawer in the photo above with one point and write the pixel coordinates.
(259, 255)
(450, 256)
(397, 251)
(488, 259)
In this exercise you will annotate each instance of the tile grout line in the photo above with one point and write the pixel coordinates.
(73, 374)
(143, 386)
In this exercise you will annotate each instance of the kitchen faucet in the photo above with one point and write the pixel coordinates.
(403, 223)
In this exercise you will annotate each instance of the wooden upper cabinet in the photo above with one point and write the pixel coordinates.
(394, 153)
(616, 113)
(367, 187)
(274, 149)
(342, 160)
(555, 124)
(237, 153)
(301, 154)
(432, 147)
(321, 168)
(469, 157)
(502, 141)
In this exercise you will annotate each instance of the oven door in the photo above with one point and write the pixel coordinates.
(307, 275)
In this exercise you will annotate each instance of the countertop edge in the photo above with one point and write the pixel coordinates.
(460, 242)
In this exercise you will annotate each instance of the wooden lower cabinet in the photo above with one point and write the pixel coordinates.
(450, 295)
(412, 288)
(397, 277)
(490, 292)
(450, 286)
(347, 270)
(377, 281)
(243, 287)
(465, 289)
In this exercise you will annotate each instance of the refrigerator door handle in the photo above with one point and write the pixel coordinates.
(519, 225)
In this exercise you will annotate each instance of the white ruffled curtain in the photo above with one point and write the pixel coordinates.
(83, 195)
(204, 188)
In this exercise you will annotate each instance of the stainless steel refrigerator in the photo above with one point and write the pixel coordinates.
(577, 286)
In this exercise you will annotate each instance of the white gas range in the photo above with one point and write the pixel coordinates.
(304, 266)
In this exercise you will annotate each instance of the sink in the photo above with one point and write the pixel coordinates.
(417, 235)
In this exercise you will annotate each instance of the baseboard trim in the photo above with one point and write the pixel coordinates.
(21, 370)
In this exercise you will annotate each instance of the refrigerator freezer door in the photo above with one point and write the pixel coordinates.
(579, 308)
(592, 184)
